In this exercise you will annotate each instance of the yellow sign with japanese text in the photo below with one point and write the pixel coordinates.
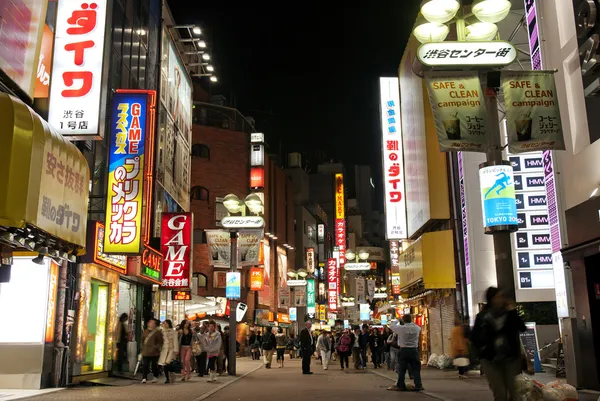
(339, 196)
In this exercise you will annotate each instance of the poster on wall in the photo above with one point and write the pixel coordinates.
(300, 296)
(219, 247)
(264, 296)
(498, 198)
(459, 111)
(532, 113)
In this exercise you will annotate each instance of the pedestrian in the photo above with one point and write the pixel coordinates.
(152, 342)
(343, 348)
(363, 341)
(211, 342)
(306, 347)
(169, 350)
(495, 337)
(198, 350)
(185, 349)
(254, 341)
(269, 345)
(356, 357)
(392, 341)
(408, 357)
(460, 348)
(281, 342)
(386, 347)
(376, 345)
(291, 346)
(122, 341)
(226, 335)
(324, 347)
(221, 357)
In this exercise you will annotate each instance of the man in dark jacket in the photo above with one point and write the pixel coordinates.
(306, 348)
(268, 345)
(152, 342)
(363, 342)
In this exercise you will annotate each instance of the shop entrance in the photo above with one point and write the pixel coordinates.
(592, 271)
(96, 327)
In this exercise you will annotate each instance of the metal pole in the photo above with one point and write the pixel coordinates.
(502, 241)
(231, 368)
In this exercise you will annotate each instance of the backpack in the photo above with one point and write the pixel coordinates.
(344, 343)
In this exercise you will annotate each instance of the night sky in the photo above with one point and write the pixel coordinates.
(308, 75)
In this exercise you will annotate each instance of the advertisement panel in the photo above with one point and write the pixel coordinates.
(393, 161)
(361, 294)
(310, 260)
(498, 198)
(51, 307)
(76, 91)
(300, 295)
(414, 142)
(20, 36)
(233, 286)
(219, 247)
(293, 314)
(321, 233)
(332, 280)
(117, 263)
(323, 312)
(257, 276)
(340, 239)
(459, 111)
(395, 266)
(257, 155)
(340, 206)
(264, 296)
(176, 246)
(532, 113)
(44, 67)
(310, 296)
(257, 177)
(125, 173)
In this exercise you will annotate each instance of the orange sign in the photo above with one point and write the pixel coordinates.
(257, 277)
(44, 66)
(373, 265)
(51, 311)
(271, 317)
(257, 177)
(181, 295)
(283, 318)
(339, 196)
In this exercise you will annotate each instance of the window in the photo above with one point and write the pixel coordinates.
(201, 150)
(199, 193)
(202, 280)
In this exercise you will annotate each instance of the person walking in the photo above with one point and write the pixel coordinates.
(226, 335)
(408, 357)
(324, 348)
(152, 342)
(254, 341)
(306, 347)
(363, 341)
(185, 349)
(269, 345)
(459, 344)
(356, 357)
(343, 348)
(122, 341)
(211, 342)
(495, 337)
(392, 342)
(221, 357)
(281, 342)
(198, 350)
(169, 350)
(292, 346)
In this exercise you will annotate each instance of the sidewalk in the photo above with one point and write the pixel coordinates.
(446, 386)
(196, 389)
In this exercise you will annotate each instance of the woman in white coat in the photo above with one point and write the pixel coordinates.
(170, 348)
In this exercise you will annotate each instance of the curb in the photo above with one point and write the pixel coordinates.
(427, 393)
(222, 386)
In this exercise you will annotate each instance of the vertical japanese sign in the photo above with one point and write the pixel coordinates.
(257, 276)
(44, 66)
(310, 260)
(125, 173)
(332, 280)
(322, 312)
(310, 296)
(465, 227)
(257, 177)
(395, 266)
(340, 218)
(393, 160)
(458, 110)
(75, 94)
(176, 247)
(233, 286)
(532, 112)
(320, 233)
(498, 198)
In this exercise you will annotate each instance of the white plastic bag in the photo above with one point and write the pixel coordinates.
(552, 394)
(523, 384)
(444, 362)
(433, 360)
(567, 392)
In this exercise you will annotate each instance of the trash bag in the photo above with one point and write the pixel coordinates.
(552, 394)
(433, 360)
(568, 392)
(523, 384)
(537, 392)
(444, 362)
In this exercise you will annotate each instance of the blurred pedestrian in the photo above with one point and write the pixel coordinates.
(363, 341)
(324, 347)
(152, 342)
(356, 357)
(281, 342)
(198, 350)
(169, 350)
(460, 348)
(269, 345)
(255, 341)
(392, 342)
(211, 342)
(185, 350)
(408, 357)
(495, 337)
(306, 347)
(122, 341)
(344, 345)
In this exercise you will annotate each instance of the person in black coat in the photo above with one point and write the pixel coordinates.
(306, 348)
(363, 342)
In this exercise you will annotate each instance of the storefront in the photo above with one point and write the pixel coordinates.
(43, 217)
(428, 285)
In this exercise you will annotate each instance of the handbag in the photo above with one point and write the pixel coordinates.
(461, 362)
(175, 366)
(196, 348)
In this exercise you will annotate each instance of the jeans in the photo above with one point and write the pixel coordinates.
(186, 356)
(212, 364)
(325, 357)
(363, 357)
(393, 358)
(150, 361)
(280, 354)
(344, 357)
(408, 359)
(501, 378)
(356, 357)
(201, 363)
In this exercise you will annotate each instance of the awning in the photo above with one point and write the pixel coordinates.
(44, 179)
(200, 304)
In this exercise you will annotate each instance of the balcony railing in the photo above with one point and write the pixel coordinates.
(212, 115)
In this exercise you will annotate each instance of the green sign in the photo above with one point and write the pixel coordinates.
(458, 110)
(148, 272)
(310, 296)
(532, 113)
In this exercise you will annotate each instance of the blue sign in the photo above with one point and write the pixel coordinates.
(498, 196)
(293, 314)
(233, 288)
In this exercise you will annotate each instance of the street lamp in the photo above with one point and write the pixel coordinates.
(440, 11)
(205, 56)
(363, 254)
(350, 255)
(197, 30)
(201, 44)
(481, 32)
(210, 68)
(213, 79)
(491, 11)
(254, 203)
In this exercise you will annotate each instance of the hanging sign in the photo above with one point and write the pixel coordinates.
(310, 260)
(498, 198)
(176, 247)
(450, 55)
(357, 266)
(233, 285)
(257, 277)
(532, 112)
(458, 110)
(310, 296)
(332, 279)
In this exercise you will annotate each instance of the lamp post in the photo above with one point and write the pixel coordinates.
(233, 204)
(476, 25)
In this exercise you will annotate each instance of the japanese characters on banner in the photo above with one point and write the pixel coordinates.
(75, 94)
(360, 290)
(393, 161)
(21, 34)
(459, 111)
(340, 206)
(395, 266)
(465, 227)
(300, 295)
(371, 288)
(310, 296)
(219, 247)
(532, 112)
(310, 260)
(257, 154)
(176, 247)
(44, 66)
(340, 239)
(498, 198)
(332, 280)
(320, 233)
(257, 276)
(322, 312)
(125, 173)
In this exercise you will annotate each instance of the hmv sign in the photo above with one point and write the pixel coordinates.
(534, 260)
(527, 164)
(529, 182)
(532, 220)
(533, 240)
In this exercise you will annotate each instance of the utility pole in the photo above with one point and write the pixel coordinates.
(231, 367)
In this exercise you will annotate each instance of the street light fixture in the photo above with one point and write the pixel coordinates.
(210, 68)
(428, 32)
(350, 255)
(302, 273)
(205, 56)
(481, 32)
(440, 11)
(197, 30)
(232, 203)
(201, 43)
(363, 254)
(213, 79)
(491, 11)
(254, 203)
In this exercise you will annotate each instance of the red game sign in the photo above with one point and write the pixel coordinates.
(176, 247)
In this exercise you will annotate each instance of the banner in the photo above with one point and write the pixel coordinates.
(219, 247)
(371, 288)
(360, 291)
(459, 111)
(284, 297)
(257, 277)
(233, 286)
(300, 296)
(532, 113)
(310, 296)
(332, 280)
(498, 198)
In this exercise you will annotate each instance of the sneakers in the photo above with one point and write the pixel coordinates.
(155, 380)
(143, 381)
(393, 388)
